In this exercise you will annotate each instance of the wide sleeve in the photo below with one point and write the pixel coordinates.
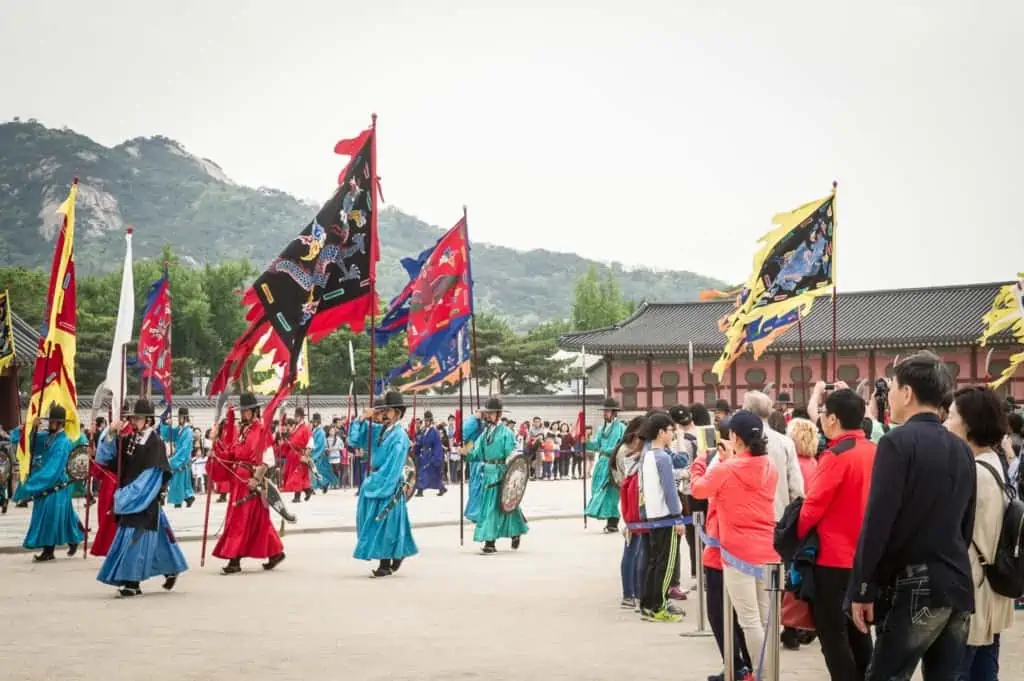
(136, 496)
(182, 449)
(432, 441)
(106, 449)
(820, 493)
(508, 442)
(358, 433)
(319, 443)
(471, 429)
(884, 503)
(53, 470)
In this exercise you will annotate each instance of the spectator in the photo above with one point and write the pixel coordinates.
(566, 451)
(685, 443)
(335, 443)
(722, 410)
(977, 417)
(548, 454)
(743, 487)
(804, 435)
(777, 421)
(837, 495)
(660, 502)
(781, 451)
(634, 556)
(912, 573)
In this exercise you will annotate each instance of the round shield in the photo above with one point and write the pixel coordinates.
(409, 476)
(78, 463)
(513, 483)
(5, 468)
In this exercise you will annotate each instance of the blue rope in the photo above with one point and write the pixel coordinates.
(660, 522)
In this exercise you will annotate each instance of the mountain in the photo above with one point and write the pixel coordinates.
(187, 201)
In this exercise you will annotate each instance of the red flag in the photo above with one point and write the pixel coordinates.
(581, 427)
(155, 336)
(441, 300)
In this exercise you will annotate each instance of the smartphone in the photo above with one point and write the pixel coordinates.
(830, 387)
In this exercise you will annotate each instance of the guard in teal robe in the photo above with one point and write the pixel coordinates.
(491, 449)
(54, 521)
(382, 517)
(144, 545)
(471, 429)
(326, 479)
(604, 500)
(181, 436)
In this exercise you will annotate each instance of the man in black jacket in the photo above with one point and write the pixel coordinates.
(912, 575)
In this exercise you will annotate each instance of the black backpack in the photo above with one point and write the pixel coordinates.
(1005, 572)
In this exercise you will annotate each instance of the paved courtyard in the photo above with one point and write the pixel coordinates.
(549, 611)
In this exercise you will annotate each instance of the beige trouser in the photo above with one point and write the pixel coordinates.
(751, 600)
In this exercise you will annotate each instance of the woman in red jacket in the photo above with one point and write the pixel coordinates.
(743, 488)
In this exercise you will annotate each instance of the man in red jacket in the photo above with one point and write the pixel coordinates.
(834, 508)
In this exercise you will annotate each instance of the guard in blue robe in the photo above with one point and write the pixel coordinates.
(471, 429)
(429, 458)
(604, 501)
(144, 545)
(492, 449)
(382, 517)
(48, 487)
(326, 478)
(181, 437)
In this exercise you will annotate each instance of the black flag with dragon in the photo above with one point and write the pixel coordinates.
(322, 280)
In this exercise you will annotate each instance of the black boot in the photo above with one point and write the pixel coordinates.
(177, 506)
(222, 498)
(72, 550)
(234, 566)
(515, 542)
(419, 493)
(45, 556)
(297, 498)
(395, 564)
(383, 570)
(442, 492)
(169, 582)
(489, 548)
(189, 502)
(274, 561)
(129, 589)
(309, 493)
(21, 504)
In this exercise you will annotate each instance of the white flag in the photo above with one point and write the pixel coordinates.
(123, 329)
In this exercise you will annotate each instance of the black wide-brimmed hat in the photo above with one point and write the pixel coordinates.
(610, 405)
(428, 415)
(493, 404)
(316, 417)
(784, 399)
(57, 413)
(249, 401)
(392, 400)
(182, 411)
(142, 407)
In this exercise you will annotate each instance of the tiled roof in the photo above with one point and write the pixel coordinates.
(26, 341)
(894, 318)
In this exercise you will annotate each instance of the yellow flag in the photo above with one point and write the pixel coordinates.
(265, 364)
(6, 333)
(1007, 313)
(53, 381)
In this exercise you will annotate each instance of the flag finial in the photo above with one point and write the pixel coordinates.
(129, 229)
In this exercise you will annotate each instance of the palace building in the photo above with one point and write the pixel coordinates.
(647, 356)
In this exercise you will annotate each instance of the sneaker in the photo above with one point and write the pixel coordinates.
(675, 611)
(661, 616)
(628, 603)
(677, 594)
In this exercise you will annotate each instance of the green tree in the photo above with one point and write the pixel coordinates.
(598, 301)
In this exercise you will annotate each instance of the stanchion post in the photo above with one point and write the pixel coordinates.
(776, 586)
(702, 617)
(728, 635)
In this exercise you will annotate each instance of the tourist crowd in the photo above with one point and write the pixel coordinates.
(886, 509)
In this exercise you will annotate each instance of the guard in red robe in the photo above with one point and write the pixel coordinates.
(219, 477)
(248, 530)
(106, 522)
(297, 445)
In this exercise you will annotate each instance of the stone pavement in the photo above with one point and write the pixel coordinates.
(549, 611)
(334, 511)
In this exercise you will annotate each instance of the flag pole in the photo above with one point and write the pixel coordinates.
(462, 466)
(583, 428)
(835, 290)
(474, 367)
(373, 279)
(803, 367)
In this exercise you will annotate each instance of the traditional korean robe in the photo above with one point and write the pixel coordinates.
(295, 476)
(144, 545)
(248, 531)
(604, 501)
(382, 517)
(471, 429)
(492, 448)
(429, 459)
(54, 521)
(106, 521)
(180, 488)
(322, 462)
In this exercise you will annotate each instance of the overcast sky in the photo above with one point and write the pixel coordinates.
(661, 133)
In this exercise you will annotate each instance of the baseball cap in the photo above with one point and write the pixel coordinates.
(747, 425)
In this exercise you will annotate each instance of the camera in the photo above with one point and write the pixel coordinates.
(881, 396)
